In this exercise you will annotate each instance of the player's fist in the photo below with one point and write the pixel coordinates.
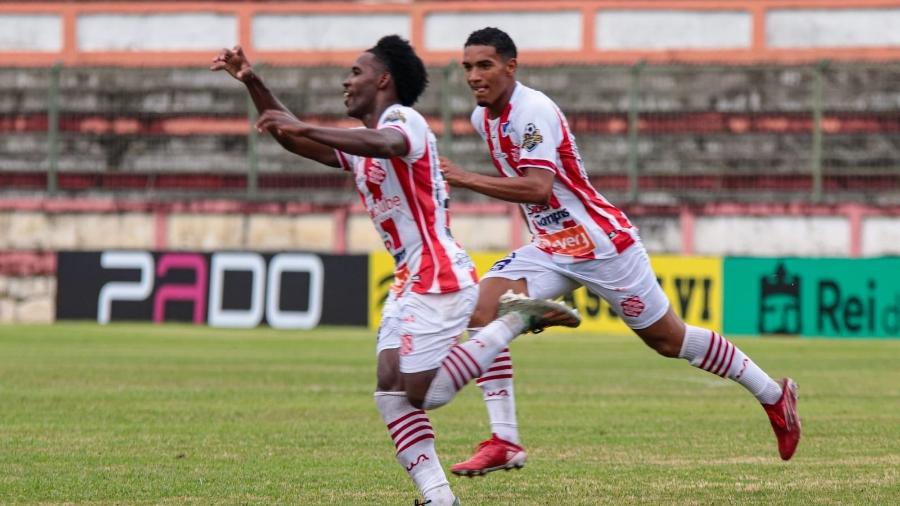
(280, 123)
(234, 62)
(453, 174)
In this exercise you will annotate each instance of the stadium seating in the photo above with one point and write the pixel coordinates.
(704, 132)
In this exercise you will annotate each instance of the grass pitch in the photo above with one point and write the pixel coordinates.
(140, 414)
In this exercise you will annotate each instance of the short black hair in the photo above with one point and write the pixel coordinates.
(404, 65)
(496, 38)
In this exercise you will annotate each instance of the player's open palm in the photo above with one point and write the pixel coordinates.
(232, 61)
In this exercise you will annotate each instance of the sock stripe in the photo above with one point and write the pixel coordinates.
(493, 377)
(717, 363)
(720, 354)
(416, 440)
(465, 354)
(726, 363)
(463, 365)
(712, 344)
(453, 371)
(720, 361)
(395, 435)
(502, 360)
(499, 368)
(404, 417)
(421, 429)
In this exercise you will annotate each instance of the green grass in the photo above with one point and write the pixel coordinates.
(139, 414)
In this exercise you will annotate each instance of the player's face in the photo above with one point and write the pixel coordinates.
(490, 76)
(361, 85)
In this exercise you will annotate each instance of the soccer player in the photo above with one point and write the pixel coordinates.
(579, 239)
(394, 162)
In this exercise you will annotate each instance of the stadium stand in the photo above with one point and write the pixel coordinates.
(703, 133)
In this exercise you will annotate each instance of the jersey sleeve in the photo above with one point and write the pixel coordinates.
(540, 134)
(346, 160)
(413, 127)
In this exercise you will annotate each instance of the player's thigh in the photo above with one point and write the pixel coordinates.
(430, 324)
(627, 282)
(526, 270)
(387, 347)
(490, 289)
(388, 378)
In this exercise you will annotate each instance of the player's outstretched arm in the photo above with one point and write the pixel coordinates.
(236, 63)
(369, 142)
(238, 66)
(535, 187)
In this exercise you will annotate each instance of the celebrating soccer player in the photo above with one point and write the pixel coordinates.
(394, 162)
(579, 239)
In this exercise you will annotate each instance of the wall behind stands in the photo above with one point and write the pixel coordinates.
(173, 33)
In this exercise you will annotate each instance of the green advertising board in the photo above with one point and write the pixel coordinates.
(812, 296)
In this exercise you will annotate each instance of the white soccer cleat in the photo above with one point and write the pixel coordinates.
(538, 314)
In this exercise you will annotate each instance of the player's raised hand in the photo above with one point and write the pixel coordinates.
(280, 122)
(232, 61)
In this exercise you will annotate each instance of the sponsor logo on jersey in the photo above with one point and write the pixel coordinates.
(573, 241)
(551, 219)
(536, 208)
(381, 206)
(463, 261)
(395, 115)
(532, 137)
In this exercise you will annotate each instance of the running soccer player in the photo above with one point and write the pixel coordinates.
(394, 162)
(579, 239)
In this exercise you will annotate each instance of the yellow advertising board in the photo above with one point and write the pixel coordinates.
(693, 285)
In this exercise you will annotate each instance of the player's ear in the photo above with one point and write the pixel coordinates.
(511, 65)
(385, 80)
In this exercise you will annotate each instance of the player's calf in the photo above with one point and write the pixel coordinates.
(468, 360)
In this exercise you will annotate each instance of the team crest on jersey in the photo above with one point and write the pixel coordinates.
(504, 128)
(375, 173)
(532, 137)
(395, 115)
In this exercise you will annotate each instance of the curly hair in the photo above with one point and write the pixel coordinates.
(494, 37)
(405, 67)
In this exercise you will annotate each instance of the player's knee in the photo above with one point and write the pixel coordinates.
(483, 315)
(668, 349)
(389, 381)
(417, 400)
(664, 345)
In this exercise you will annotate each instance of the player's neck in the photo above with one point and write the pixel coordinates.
(497, 109)
(370, 120)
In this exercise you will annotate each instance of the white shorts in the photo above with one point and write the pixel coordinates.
(424, 326)
(626, 281)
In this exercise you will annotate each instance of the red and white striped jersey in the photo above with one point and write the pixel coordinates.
(407, 199)
(578, 223)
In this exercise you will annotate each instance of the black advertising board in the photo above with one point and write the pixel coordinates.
(240, 289)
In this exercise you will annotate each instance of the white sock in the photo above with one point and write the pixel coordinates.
(469, 359)
(711, 352)
(413, 437)
(497, 388)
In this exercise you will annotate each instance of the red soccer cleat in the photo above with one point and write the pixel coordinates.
(785, 420)
(491, 455)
